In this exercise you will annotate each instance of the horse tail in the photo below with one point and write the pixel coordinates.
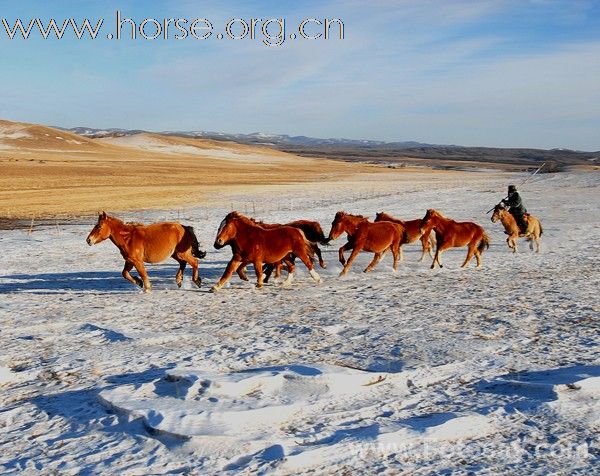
(405, 237)
(196, 251)
(320, 236)
(310, 247)
(484, 243)
(541, 229)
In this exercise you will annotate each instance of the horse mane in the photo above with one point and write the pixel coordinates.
(341, 214)
(243, 218)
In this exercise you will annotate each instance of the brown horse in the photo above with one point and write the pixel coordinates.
(362, 234)
(313, 232)
(251, 243)
(511, 228)
(452, 234)
(155, 243)
(413, 233)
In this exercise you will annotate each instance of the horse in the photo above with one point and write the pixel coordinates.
(362, 234)
(511, 228)
(313, 232)
(155, 243)
(413, 233)
(251, 243)
(452, 234)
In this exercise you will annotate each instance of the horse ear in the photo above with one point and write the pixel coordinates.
(103, 214)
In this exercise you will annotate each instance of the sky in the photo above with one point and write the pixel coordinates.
(508, 73)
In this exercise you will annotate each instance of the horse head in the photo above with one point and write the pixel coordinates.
(101, 231)
(381, 216)
(429, 220)
(498, 212)
(227, 230)
(337, 226)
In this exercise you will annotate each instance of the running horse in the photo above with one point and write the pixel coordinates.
(413, 233)
(452, 234)
(251, 243)
(362, 234)
(511, 228)
(154, 243)
(313, 232)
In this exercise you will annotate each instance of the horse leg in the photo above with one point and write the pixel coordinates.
(193, 262)
(347, 247)
(397, 254)
(127, 275)
(424, 247)
(322, 263)
(353, 255)
(141, 269)
(514, 238)
(277, 267)
(441, 247)
(376, 259)
(308, 262)
(431, 244)
(436, 258)
(268, 271)
(470, 253)
(241, 271)
(179, 275)
(260, 276)
(232, 267)
(291, 266)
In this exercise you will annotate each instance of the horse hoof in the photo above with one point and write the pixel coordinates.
(178, 284)
(214, 289)
(147, 290)
(197, 282)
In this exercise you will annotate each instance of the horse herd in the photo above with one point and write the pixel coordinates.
(271, 247)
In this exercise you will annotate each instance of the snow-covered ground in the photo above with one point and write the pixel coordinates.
(481, 370)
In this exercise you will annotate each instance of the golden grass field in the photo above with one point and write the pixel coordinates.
(47, 172)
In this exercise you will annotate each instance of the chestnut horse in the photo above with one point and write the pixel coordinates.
(313, 232)
(141, 244)
(362, 234)
(413, 233)
(452, 234)
(251, 243)
(511, 228)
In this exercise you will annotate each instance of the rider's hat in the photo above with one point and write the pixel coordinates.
(512, 188)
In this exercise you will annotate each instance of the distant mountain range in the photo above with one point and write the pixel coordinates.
(254, 138)
(390, 153)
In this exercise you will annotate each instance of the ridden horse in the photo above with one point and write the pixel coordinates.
(511, 228)
(413, 233)
(155, 243)
(313, 232)
(362, 234)
(251, 243)
(452, 234)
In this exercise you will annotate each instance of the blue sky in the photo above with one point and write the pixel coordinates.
(509, 73)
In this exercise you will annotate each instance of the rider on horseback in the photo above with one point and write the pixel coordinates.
(515, 206)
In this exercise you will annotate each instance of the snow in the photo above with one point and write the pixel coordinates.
(145, 142)
(13, 132)
(491, 370)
